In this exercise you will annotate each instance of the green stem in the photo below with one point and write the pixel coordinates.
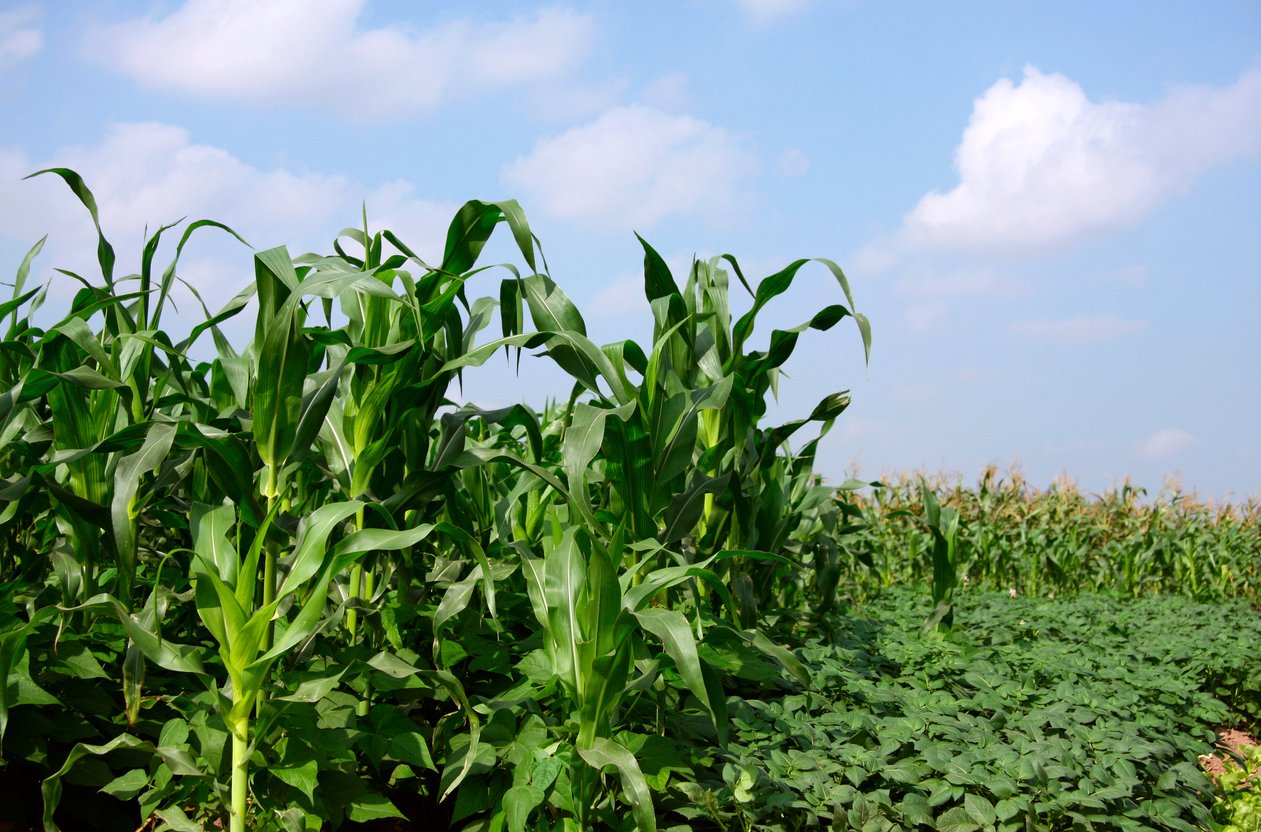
(352, 614)
(269, 595)
(356, 582)
(240, 777)
(365, 704)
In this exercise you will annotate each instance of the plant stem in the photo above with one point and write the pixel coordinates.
(269, 595)
(356, 582)
(365, 704)
(352, 614)
(240, 777)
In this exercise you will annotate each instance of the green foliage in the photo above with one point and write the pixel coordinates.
(295, 585)
(1238, 804)
(1054, 542)
(293, 582)
(1030, 714)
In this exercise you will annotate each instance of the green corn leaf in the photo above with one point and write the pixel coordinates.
(169, 276)
(12, 648)
(50, 789)
(581, 444)
(220, 610)
(228, 463)
(658, 282)
(311, 415)
(472, 227)
(780, 654)
(564, 576)
(313, 534)
(680, 644)
(550, 308)
(104, 251)
(604, 689)
(127, 476)
(163, 652)
(210, 527)
(81, 334)
(454, 601)
(685, 510)
(280, 375)
(604, 752)
(19, 283)
(471, 547)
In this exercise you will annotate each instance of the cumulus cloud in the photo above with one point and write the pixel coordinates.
(1164, 444)
(767, 11)
(1082, 329)
(282, 51)
(633, 167)
(1041, 164)
(147, 174)
(19, 40)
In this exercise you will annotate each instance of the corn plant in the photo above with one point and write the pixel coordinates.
(308, 567)
(943, 525)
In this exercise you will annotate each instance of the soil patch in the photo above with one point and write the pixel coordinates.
(1230, 744)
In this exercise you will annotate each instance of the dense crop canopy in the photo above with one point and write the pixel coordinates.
(302, 565)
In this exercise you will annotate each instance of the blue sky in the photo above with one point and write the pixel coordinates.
(1050, 212)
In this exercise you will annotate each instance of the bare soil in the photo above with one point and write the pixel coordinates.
(1230, 741)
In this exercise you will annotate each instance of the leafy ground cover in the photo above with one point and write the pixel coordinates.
(295, 585)
(1082, 713)
(1236, 769)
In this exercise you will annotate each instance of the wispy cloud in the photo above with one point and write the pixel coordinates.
(667, 92)
(1164, 444)
(633, 167)
(1082, 329)
(957, 283)
(925, 318)
(19, 39)
(284, 51)
(1041, 164)
(768, 11)
(1133, 276)
(793, 162)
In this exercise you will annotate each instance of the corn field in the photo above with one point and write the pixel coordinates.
(1059, 540)
(300, 563)
(299, 585)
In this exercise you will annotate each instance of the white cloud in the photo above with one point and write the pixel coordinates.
(957, 283)
(18, 39)
(1164, 444)
(767, 11)
(1041, 164)
(634, 166)
(793, 162)
(148, 174)
(1083, 329)
(614, 297)
(285, 51)
(667, 92)
(567, 101)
